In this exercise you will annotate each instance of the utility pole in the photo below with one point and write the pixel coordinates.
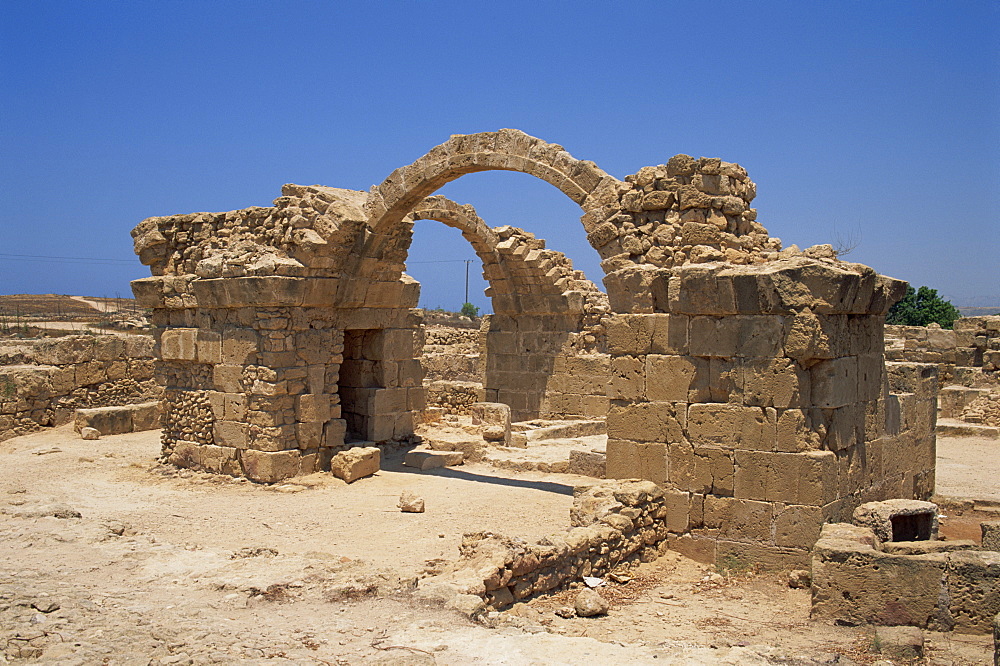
(467, 262)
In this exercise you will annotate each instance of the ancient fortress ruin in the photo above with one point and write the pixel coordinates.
(747, 382)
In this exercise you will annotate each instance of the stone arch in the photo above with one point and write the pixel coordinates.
(524, 276)
(506, 150)
(545, 315)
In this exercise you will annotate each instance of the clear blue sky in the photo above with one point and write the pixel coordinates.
(878, 121)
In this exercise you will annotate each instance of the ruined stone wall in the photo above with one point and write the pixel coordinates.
(967, 356)
(855, 581)
(450, 354)
(42, 382)
(758, 395)
(745, 379)
(273, 391)
(615, 523)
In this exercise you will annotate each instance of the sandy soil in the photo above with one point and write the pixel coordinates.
(968, 467)
(166, 566)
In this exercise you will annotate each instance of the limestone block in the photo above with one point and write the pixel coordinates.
(228, 378)
(219, 459)
(397, 344)
(270, 466)
(231, 434)
(701, 469)
(899, 519)
(381, 427)
(410, 503)
(736, 336)
(272, 439)
(731, 426)
(239, 346)
(636, 460)
(794, 432)
(90, 433)
(146, 416)
(640, 334)
(793, 478)
(676, 378)
(587, 463)
(797, 526)
(900, 643)
(106, 420)
(697, 290)
(334, 433)
(996, 640)
(647, 422)
(991, 535)
(89, 373)
(179, 344)
(309, 435)
(746, 520)
(424, 460)
(773, 382)
(209, 347)
(312, 407)
(627, 380)
(849, 582)
(741, 555)
(835, 382)
(356, 463)
(973, 580)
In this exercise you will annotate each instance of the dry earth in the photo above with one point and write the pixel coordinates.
(166, 566)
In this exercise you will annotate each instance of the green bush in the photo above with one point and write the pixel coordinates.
(469, 310)
(921, 307)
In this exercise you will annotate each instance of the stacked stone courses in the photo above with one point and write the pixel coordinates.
(747, 380)
(43, 382)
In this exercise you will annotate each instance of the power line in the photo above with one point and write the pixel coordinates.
(440, 261)
(57, 259)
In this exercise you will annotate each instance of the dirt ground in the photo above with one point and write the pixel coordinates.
(168, 566)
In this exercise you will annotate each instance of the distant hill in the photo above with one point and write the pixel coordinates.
(57, 306)
(979, 312)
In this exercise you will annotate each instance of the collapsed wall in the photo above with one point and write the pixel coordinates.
(43, 382)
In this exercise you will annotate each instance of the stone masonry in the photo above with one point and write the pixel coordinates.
(43, 382)
(747, 380)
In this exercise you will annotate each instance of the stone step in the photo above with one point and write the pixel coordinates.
(584, 456)
(424, 460)
(537, 432)
(956, 428)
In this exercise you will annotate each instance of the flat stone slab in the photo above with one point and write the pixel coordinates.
(121, 419)
(424, 460)
(536, 432)
(955, 428)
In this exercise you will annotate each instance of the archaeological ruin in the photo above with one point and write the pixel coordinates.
(745, 380)
(738, 403)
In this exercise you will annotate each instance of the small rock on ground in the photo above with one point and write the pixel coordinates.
(410, 503)
(589, 603)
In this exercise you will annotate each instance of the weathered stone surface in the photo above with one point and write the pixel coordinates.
(90, 433)
(424, 460)
(990, 534)
(410, 503)
(356, 463)
(905, 643)
(589, 603)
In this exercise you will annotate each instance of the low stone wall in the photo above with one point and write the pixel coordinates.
(452, 396)
(855, 582)
(43, 382)
(450, 354)
(120, 419)
(614, 523)
(969, 355)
